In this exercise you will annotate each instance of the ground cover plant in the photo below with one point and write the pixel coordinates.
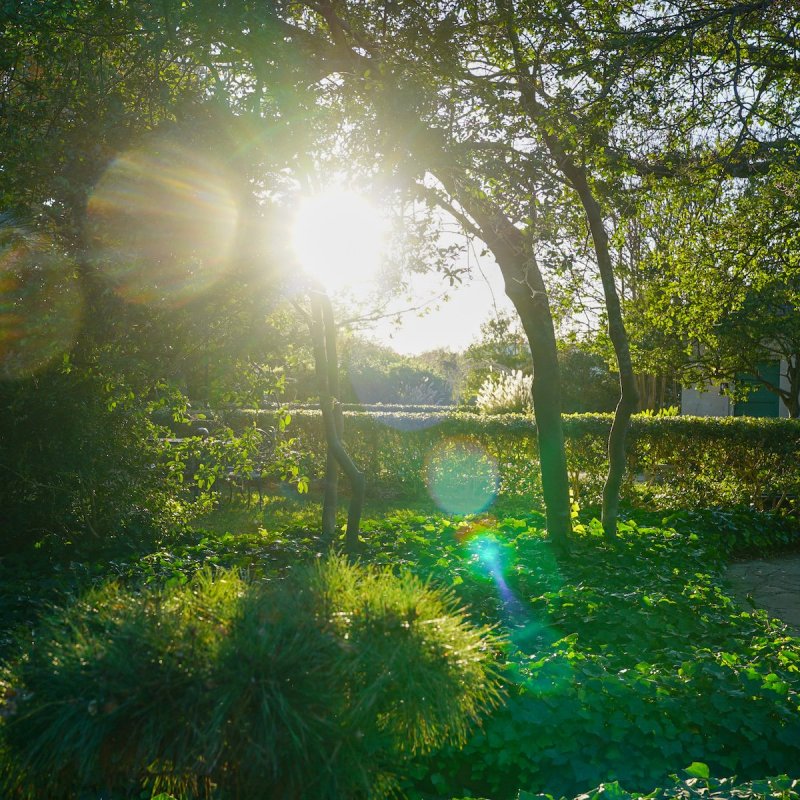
(623, 663)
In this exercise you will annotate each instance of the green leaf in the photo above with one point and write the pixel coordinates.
(697, 769)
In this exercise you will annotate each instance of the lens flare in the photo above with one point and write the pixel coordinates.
(161, 224)
(40, 303)
(462, 477)
(492, 556)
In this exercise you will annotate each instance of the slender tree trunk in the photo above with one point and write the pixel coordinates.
(629, 398)
(619, 338)
(793, 373)
(331, 496)
(524, 285)
(534, 312)
(323, 335)
(561, 150)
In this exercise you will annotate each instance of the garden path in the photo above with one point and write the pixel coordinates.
(772, 584)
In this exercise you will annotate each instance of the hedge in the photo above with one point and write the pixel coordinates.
(685, 460)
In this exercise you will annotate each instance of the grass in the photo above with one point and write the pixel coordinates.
(624, 663)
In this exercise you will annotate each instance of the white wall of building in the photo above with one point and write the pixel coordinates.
(708, 403)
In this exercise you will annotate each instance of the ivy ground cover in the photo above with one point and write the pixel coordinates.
(622, 663)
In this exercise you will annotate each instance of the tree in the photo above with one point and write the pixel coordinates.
(725, 291)
(373, 374)
(588, 385)
(499, 114)
(102, 106)
(322, 326)
(446, 365)
(502, 346)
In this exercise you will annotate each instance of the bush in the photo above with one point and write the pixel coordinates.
(506, 393)
(322, 685)
(672, 461)
(80, 460)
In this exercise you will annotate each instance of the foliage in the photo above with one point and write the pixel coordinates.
(719, 280)
(395, 383)
(621, 663)
(672, 460)
(587, 384)
(624, 662)
(505, 393)
(696, 783)
(320, 685)
(501, 347)
(82, 460)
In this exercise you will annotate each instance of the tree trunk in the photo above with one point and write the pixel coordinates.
(562, 152)
(524, 285)
(330, 496)
(331, 369)
(323, 335)
(525, 289)
(793, 374)
(629, 397)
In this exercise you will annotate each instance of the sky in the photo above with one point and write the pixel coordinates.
(453, 324)
(338, 238)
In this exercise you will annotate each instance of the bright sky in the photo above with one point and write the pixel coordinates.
(453, 324)
(337, 237)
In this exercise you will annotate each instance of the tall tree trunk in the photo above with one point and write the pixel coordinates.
(561, 150)
(524, 285)
(513, 252)
(323, 336)
(629, 398)
(793, 374)
(534, 313)
(330, 496)
(331, 366)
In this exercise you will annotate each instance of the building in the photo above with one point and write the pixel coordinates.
(761, 402)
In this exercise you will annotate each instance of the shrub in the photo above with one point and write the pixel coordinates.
(81, 461)
(506, 393)
(321, 685)
(672, 461)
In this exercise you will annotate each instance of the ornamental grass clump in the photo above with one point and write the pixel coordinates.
(321, 685)
(505, 393)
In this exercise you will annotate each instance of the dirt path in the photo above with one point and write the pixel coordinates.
(773, 584)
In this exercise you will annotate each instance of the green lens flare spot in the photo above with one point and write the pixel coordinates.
(462, 477)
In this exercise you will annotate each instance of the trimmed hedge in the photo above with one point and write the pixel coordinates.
(702, 461)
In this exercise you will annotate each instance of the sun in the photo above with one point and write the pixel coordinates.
(339, 238)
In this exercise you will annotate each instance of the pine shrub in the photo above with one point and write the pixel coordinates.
(321, 685)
